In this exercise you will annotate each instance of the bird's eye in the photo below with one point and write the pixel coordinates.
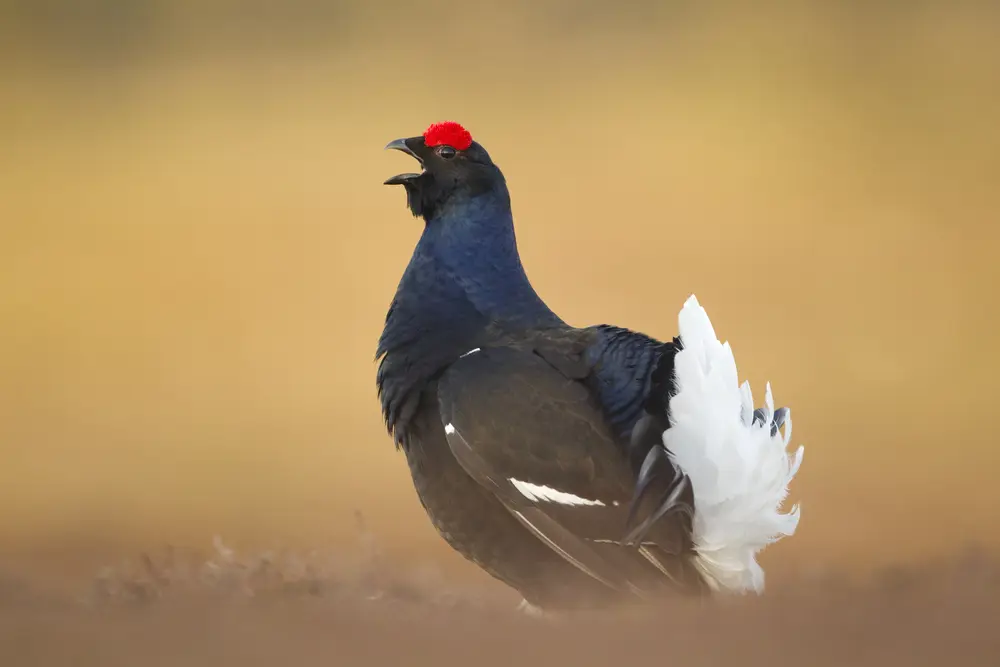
(446, 152)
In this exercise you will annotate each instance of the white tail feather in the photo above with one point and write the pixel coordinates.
(739, 471)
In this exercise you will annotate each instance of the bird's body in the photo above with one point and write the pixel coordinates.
(537, 448)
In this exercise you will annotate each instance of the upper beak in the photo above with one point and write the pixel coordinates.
(401, 145)
(404, 145)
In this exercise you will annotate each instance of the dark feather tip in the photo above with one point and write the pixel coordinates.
(780, 415)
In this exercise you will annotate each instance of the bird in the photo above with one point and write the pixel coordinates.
(584, 467)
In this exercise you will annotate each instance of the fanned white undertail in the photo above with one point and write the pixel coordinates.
(739, 471)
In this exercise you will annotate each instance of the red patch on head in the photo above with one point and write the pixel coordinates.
(448, 134)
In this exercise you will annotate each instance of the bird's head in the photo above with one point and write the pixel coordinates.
(454, 167)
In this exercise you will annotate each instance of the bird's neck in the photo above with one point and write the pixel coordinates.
(473, 242)
(465, 274)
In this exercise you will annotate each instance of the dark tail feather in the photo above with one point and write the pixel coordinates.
(669, 501)
(652, 469)
(776, 422)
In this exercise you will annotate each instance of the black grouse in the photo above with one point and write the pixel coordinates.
(581, 466)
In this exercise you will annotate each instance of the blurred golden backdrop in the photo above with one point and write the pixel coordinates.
(196, 251)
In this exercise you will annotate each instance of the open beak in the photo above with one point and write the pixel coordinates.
(406, 146)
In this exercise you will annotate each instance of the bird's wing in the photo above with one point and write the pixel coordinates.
(536, 439)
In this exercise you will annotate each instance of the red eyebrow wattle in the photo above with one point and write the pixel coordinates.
(448, 133)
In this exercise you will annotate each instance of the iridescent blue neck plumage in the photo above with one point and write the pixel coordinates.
(472, 241)
(464, 275)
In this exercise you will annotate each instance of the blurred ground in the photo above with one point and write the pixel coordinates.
(272, 609)
(196, 254)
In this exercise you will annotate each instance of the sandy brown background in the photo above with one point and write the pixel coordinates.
(196, 254)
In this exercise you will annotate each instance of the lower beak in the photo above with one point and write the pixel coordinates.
(403, 145)
(401, 179)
